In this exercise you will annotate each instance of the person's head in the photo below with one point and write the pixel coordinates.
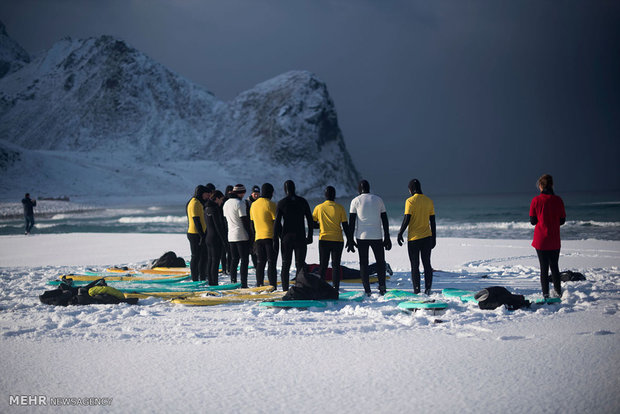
(202, 193)
(266, 190)
(211, 187)
(27, 195)
(289, 187)
(217, 197)
(363, 187)
(545, 182)
(330, 193)
(415, 187)
(228, 191)
(255, 192)
(238, 191)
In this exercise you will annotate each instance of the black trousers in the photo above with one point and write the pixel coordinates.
(29, 223)
(334, 249)
(363, 248)
(215, 252)
(292, 243)
(198, 261)
(549, 259)
(420, 248)
(239, 251)
(266, 255)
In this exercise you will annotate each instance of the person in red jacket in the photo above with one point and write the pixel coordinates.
(547, 214)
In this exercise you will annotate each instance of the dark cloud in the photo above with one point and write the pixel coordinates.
(478, 96)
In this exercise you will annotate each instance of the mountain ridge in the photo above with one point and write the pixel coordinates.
(99, 98)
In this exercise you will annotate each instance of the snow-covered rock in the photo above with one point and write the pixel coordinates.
(97, 110)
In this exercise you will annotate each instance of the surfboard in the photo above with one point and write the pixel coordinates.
(294, 304)
(373, 279)
(399, 294)
(354, 296)
(224, 299)
(422, 304)
(126, 278)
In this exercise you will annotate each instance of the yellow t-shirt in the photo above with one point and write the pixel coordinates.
(330, 215)
(195, 209)
(263, 214)
(421, 208)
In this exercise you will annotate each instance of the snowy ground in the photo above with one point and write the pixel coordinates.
(362, 357)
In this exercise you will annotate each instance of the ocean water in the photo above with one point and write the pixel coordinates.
(500, 216)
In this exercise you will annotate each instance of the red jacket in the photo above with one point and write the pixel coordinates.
(549, 211)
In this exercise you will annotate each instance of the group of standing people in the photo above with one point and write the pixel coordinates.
(257, 227)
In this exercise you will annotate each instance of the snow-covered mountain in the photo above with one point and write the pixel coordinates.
(98, 116)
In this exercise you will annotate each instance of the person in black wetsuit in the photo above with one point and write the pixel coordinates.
(254, 195)
(292, 209)
(196, 232)
(29, 205)
(216, 235)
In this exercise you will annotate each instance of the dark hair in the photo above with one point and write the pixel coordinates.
(216, 194)
(289, 187)
(363, 187)
(330, 193)
(415, 187)
(211, 187)
(545, 181)
(199, 191)
(266, 190)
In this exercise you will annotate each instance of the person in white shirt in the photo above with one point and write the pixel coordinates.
(239, 234)
(367, 216)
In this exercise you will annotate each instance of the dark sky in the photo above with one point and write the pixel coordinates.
(468, 96)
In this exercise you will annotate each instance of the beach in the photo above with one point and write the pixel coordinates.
(349, 357)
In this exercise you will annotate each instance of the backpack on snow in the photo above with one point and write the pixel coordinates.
(96, 292)
(168, 259)
(569, 276)
(310, 286)
(495, 296)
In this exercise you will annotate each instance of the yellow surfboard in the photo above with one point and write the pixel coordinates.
(219, 300)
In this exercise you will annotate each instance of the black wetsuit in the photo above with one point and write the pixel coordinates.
(292, 209)
(216, 239)
(29, 205)
(248, 204)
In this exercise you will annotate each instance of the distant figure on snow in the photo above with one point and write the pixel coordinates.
(29, 205)
(421, 238)
(547, 214)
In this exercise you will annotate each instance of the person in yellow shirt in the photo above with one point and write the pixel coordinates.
(196, 232)
(262, 217)
(331, 218)
(420, 220)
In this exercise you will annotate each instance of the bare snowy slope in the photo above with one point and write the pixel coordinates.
(96, 115)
